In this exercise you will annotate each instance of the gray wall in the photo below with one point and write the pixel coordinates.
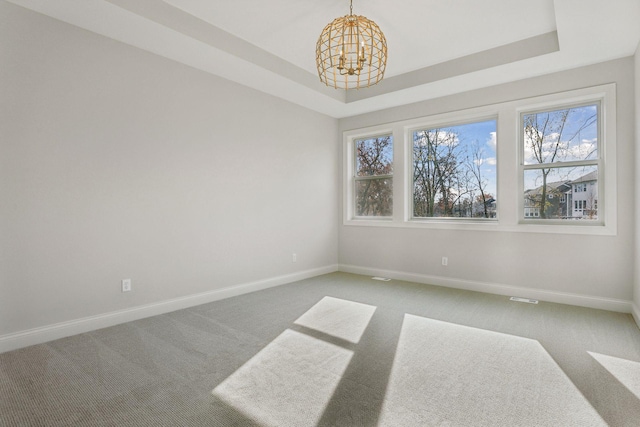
(585, 265)
(636, 294)
(116, 163)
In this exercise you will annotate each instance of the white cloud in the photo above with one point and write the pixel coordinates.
(441, 138)
(493, 140)
(584, 150)
(486, 161)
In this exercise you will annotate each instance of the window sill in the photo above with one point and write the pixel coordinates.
(490, 225)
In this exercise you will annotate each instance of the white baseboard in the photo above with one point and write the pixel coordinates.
(610, 304)
(77, 326)
(635, 311)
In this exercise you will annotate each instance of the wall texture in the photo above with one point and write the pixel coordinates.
(636, 293)
(597, 269)
(116, 163)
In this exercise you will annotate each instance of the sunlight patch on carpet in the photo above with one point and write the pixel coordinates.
(339, 318)
(625, 371)
(289, 382)
(456, 375)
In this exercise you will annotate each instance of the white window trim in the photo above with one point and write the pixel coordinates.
(605, 96)
(441, 121)
(510, 181)
(349, 170)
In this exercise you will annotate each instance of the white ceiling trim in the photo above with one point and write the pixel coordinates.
(588, 31)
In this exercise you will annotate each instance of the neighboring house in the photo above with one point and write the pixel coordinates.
(556, 205)
(584, 192)
(477, 209)
(565, 199)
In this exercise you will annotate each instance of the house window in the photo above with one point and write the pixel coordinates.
(432, 172)
(373, 176)
(454, 171)
(561, 148)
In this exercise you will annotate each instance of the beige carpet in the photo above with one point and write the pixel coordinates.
(337, 350)
(289, 383)
(627, 372)
(443, 374)
(446, 374)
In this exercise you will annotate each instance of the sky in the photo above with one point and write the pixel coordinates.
(578, 141)
(483, 136)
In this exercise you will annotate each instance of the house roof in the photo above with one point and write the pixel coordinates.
(592, 176)
(556, 187)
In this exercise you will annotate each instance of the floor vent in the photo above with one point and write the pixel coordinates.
(527, 300)
(382, 279)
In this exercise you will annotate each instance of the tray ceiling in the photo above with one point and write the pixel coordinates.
(436, 47)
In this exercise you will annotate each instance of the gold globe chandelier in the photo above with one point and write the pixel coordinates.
(351, 52)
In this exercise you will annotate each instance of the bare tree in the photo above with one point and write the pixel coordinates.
(474, 166)
(434, 172)
(591, 208)
(374, 157)
(545, 138)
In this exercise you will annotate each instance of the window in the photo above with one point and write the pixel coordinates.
(454, 171)
(556, 171)
(579, 188)
(560, 151)
(373, 179)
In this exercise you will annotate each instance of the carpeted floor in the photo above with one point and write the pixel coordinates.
(337, 350)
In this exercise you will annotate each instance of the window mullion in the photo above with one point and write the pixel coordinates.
(594, 162)
(372, 177)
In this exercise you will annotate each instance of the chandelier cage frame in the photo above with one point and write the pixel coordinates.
(351, 53)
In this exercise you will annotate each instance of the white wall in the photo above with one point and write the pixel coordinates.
(636, 294)
(116, 163)
(581, 269)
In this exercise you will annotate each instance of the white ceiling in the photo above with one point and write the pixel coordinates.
(436, 47)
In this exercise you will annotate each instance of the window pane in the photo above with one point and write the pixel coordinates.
(374, 197)
(374, 156)
(577, 188)
(454, 171)
(561, 135)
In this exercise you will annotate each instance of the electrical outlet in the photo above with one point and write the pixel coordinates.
(445, 261)
(294, 258)
(126, 285)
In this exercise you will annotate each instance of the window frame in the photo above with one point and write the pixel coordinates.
(350, 171)
(357, 179)
(605, 98)
(510, 181)
(439, 123)
(579, 188)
